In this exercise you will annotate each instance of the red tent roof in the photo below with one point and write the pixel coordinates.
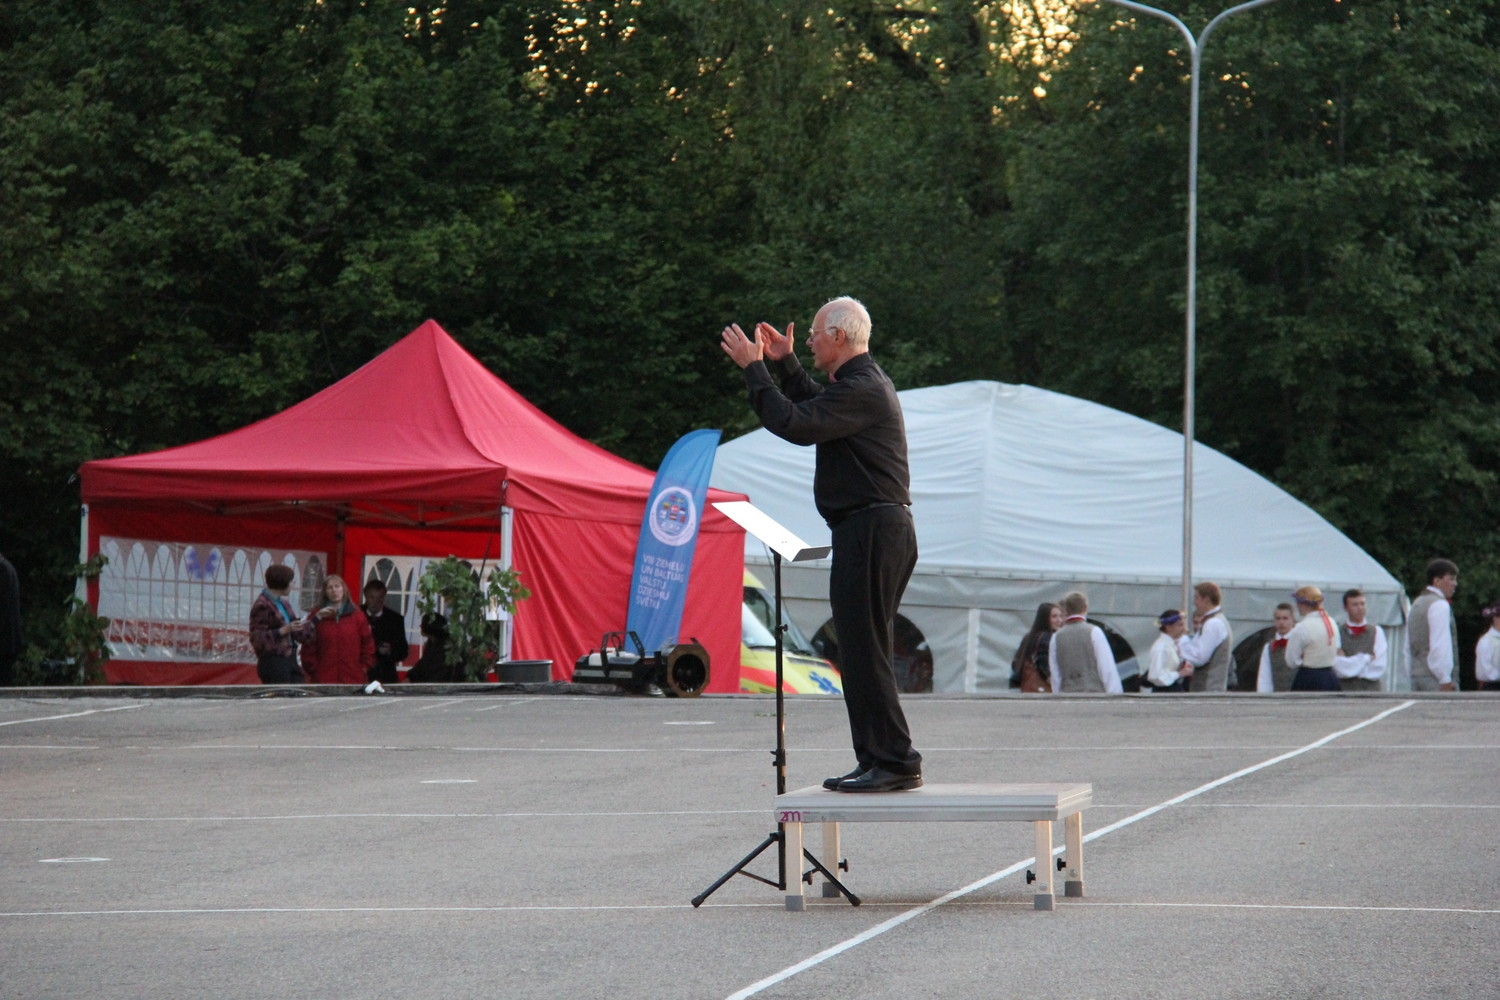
(421, 429)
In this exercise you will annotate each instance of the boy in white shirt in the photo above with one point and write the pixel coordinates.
(1275, 673)
(1360, 663)
(1487, 653)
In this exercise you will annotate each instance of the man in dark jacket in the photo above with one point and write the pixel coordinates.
(862, 489)
(388, 628)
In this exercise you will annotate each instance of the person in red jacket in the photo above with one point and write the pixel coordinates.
(343, 649)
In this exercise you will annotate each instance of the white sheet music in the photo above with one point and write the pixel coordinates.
(766, 528)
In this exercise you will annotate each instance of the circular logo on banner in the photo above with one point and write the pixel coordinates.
(673, 516)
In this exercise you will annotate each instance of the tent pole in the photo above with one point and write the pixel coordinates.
(81, 586)
(1195, 50)
(507, 629)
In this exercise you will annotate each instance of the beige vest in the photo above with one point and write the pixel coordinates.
(1281, 671)
(1077, 666)
(1419, 637)
(1352, 644)
(1219, 661)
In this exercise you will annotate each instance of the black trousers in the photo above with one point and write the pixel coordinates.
(275, 669)
(383, 671)
(874, 553)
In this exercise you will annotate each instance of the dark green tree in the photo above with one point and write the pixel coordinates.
(211, 209)
(1349, 258)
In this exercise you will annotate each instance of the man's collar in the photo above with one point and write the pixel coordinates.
(852, 363)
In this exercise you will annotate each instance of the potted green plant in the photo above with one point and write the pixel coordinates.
(71, 648)
(451, 586)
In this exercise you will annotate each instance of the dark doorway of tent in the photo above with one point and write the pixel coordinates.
(912, 659)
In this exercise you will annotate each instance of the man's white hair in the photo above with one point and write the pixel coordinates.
(849, 315)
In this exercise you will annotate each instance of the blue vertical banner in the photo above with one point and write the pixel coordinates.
(669, 534)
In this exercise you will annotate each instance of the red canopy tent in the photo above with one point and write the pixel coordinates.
(422, 452)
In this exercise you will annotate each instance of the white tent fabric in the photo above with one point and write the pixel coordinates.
(1021, 494)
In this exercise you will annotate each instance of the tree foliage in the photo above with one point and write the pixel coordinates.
(212, 208)
(1349, 256)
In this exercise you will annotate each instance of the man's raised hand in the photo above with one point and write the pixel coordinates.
(776, 346)
(740, 348)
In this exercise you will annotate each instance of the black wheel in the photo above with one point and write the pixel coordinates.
(684, 670)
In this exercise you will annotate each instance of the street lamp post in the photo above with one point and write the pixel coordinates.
(1195, 48)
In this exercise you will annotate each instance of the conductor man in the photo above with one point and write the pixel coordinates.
(862, 489)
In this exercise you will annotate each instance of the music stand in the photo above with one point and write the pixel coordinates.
(783, 544)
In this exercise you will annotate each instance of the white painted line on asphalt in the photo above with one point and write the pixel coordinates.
(383, 816)
(714, 750)
(1296, 906)
(1242, 772)
(377, 746)
(703, 722)
(1017, 904)
(901, 918)
(68, 861)
(1336, 805)
(71, 715)
(441, 704)
(507, 702)
(373, 703)
(351, 909)
(1420, 746)
(1044, 748)
(449, 781)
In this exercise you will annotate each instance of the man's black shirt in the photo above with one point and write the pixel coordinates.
(855, 421)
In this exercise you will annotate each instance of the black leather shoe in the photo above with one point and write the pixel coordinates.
(877, 780)
(832, 784)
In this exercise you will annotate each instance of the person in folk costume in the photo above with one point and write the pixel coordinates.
(1313, 644)
(1029, 671)
(1431, 634)
(343, 650)
(1079, 657)
(1274, 673)
(1166, 671)
(1207, 650)
(1487, 652)
(1360, 665)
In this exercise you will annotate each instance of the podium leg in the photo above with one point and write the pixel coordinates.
(1045, 898)
(792, 844)
(1073, 839)
(833, 851)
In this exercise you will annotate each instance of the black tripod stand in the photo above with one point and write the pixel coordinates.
(777, 836)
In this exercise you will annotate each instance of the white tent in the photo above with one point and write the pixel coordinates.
(1021, 494)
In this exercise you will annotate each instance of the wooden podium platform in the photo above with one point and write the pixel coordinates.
(1038, 804)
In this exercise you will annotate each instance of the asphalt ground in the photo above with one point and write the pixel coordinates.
(518, 845)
